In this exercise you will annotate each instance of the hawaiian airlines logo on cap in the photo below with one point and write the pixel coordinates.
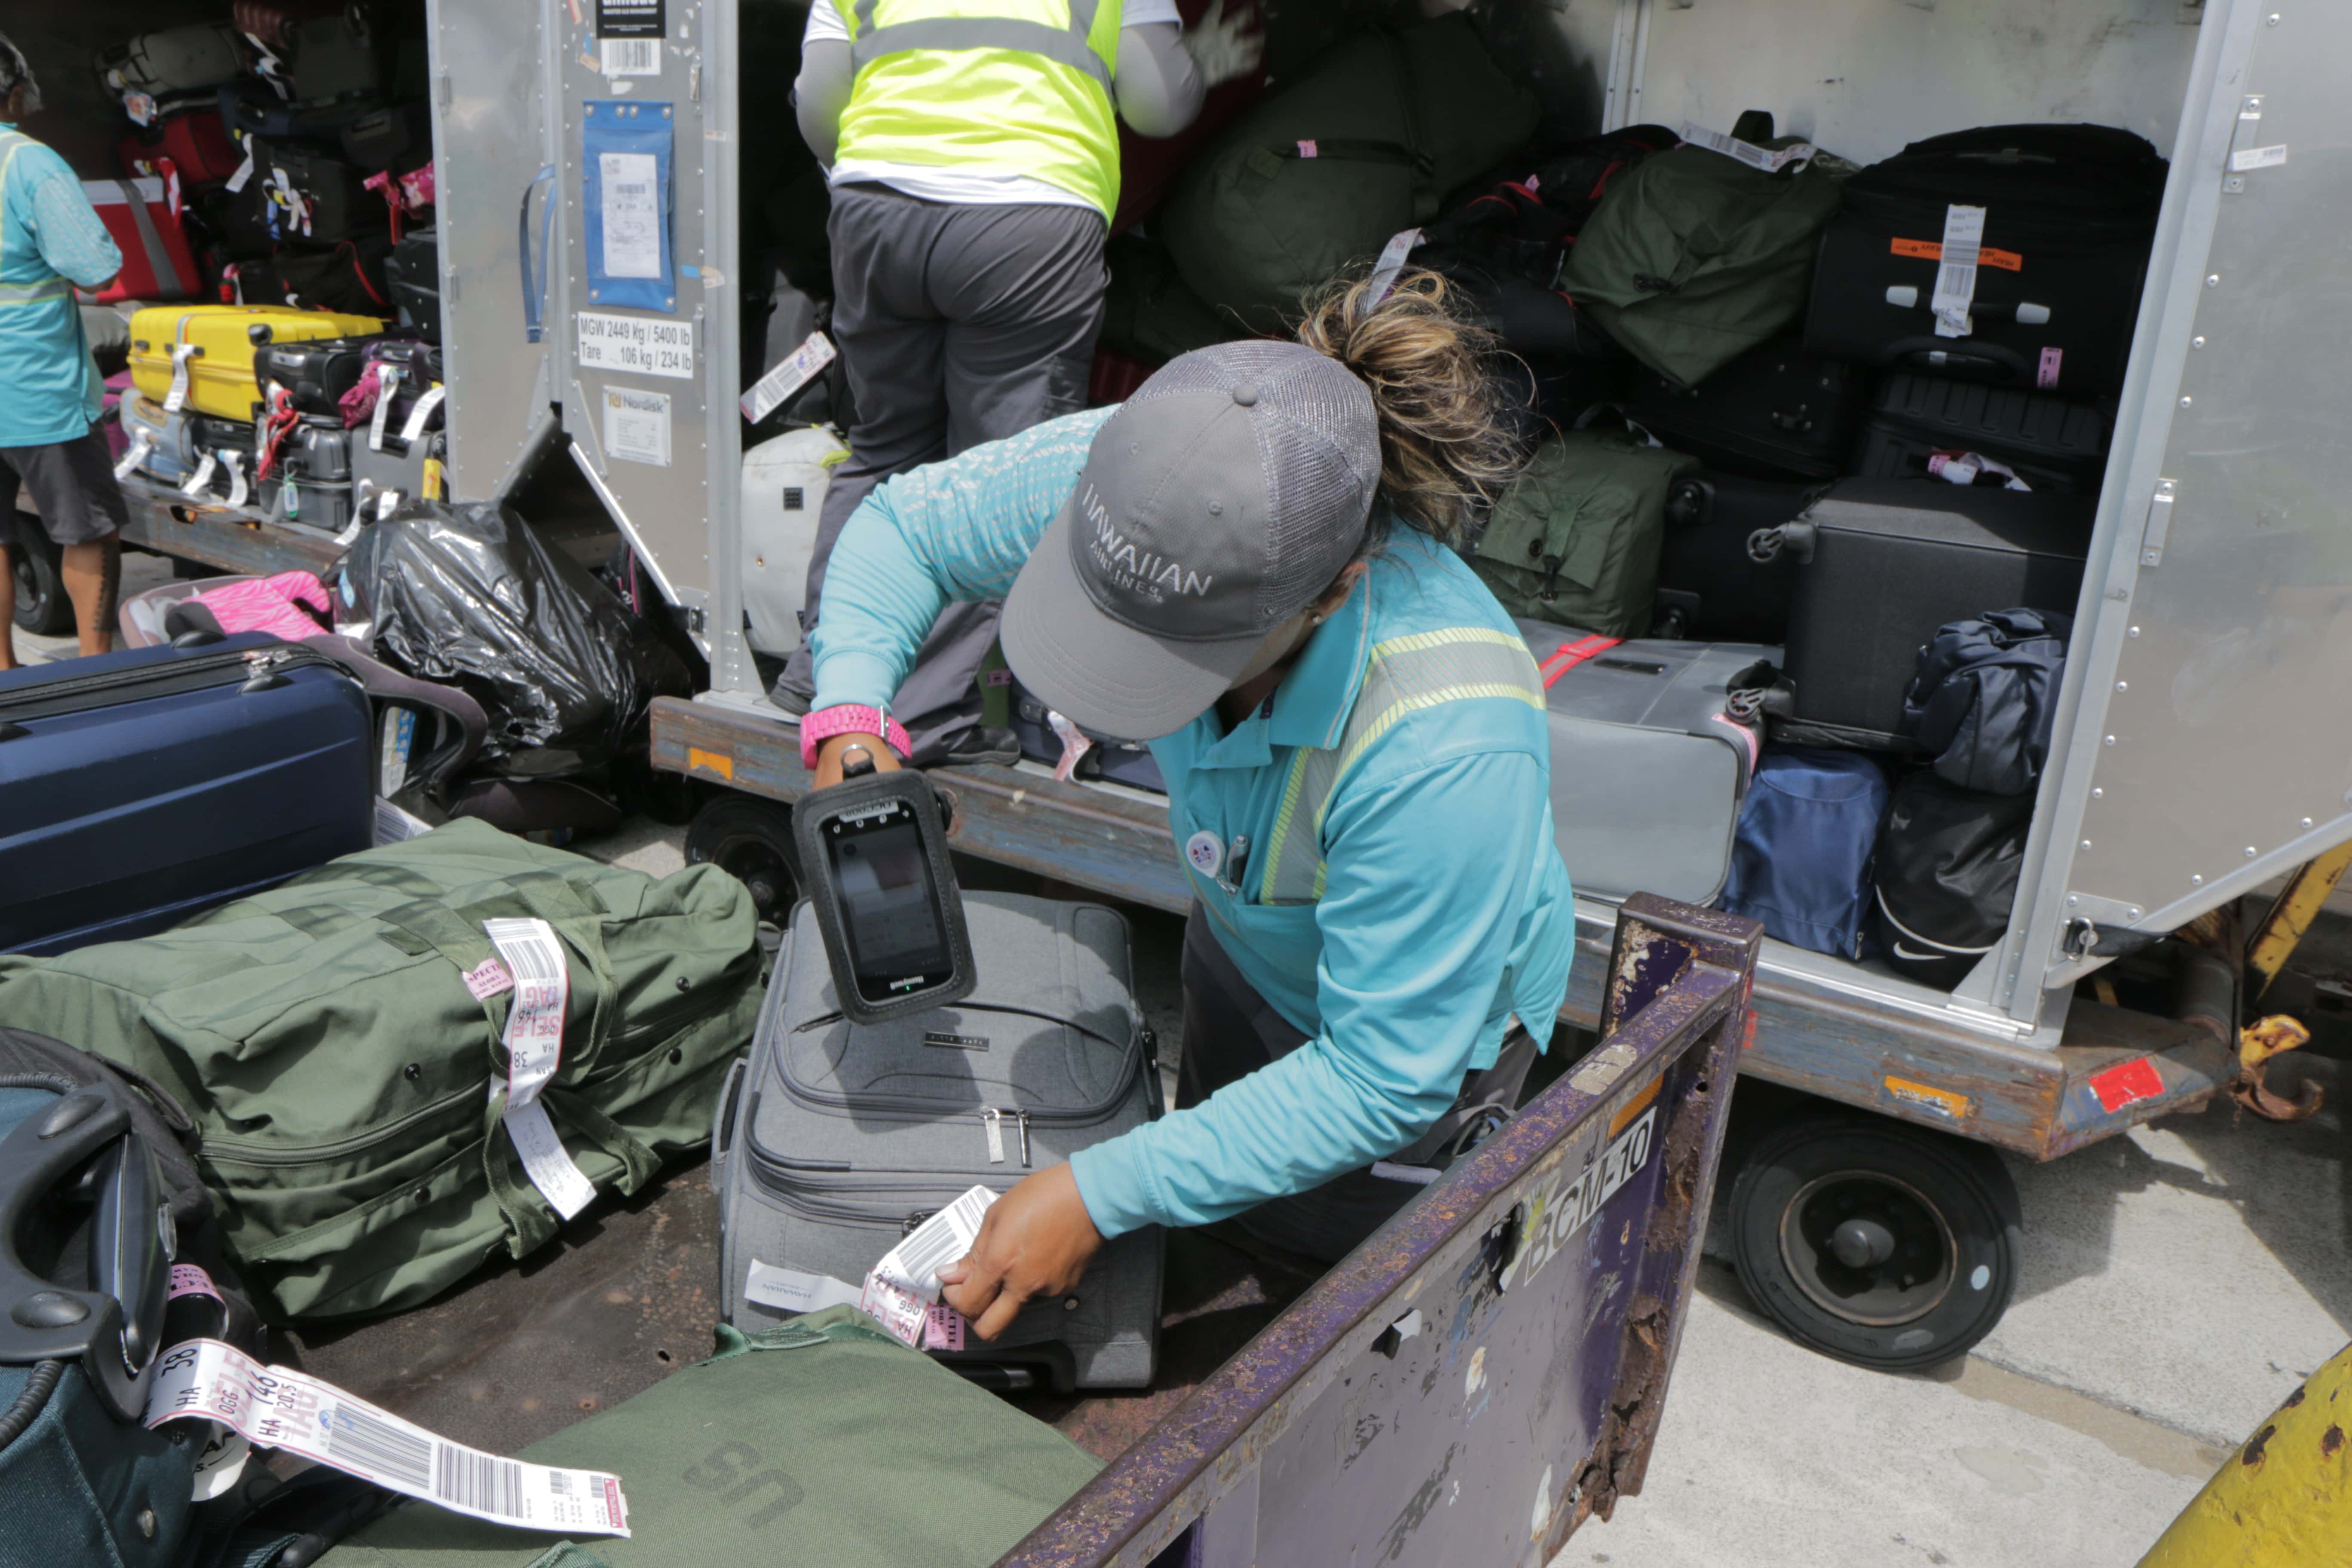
(1124, 565)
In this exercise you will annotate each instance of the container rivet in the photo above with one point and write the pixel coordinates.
(2306, 825)
(2074, 898)
(2108, 741)
(2187, 401)
(2134, 911)
(2131, 631)
(2086, 844)
(2198, 342)
(2271, 20)
(2212, 280)
(2123, 685)
(2249, 851)
(2196, 881)
(2098, 793)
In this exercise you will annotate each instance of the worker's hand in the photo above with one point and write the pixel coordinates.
(1035, 1240)
(1225, 48)
(829, 753)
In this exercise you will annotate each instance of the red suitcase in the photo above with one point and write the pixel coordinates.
(192, 140)
(143, 219)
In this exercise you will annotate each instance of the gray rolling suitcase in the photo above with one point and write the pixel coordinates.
(1651, 749)
(833, 1140)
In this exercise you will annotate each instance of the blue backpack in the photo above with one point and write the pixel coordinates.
(1800, 859)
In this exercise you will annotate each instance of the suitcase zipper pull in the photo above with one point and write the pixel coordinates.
(1024, 1138)
(991, 1121)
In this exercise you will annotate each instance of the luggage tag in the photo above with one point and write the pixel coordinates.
(1391, 262)
(387, 378)
(141, 108)
(278, 1407)
(1076, 745)
(1964, 468)
(534, 1042)
(243, 171)
(201, 480)
(414, 431)
(902, 1288)
(386, 503)
(789, 1290)
(1764, 160)
(1955, 275)
(141, 447)
(235, 463)
(223, 1460)
(177, 398)
(792, 373)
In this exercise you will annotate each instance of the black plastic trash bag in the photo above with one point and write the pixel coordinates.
(471, 595)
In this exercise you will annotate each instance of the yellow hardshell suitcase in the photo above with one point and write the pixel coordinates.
(221, 339)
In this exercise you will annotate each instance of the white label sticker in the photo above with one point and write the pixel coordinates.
(414, 431)
(387, 381)
(547, 1162)
(791, 373)
(235, 463)
(629, 56)
(913, 1265)
(202, 477)
(278, 1407)
(176, 399)
(1766, 159)
(638, 344)
(140, 446)
(1956, 274)
(2258, 158)
(393, 826)
(636, 425)
(236, 182)
(630, 183)
(789, 1290)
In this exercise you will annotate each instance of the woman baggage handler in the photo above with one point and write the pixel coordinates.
(1247, 563)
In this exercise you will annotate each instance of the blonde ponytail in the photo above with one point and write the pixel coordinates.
(1446, 451)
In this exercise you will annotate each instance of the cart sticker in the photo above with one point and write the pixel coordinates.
(2046, 376)
(1933, 251)
(628, 57)
(700, 761)
(176, 399)
(414, 431)
(534, 1042)
(1956, 274)
(2257, 158)
(636, 425)
(636, 344)
(1646, 1096)
(789, 1290)
(630, 183)
(278, 1407)
(1552, 1218)
(235, 463)
(1763, 159)
(387, 381)
(1945, 1102)
(792, 373)
(199, 482)
(2128, 1084)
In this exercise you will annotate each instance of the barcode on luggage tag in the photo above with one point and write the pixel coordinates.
(364, 1443)
(914, 1264)
(482, 1482)
(629, 56)
(791, 373)
(1955, 275)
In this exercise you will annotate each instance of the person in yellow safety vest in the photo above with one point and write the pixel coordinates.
(974, 169)
(50, 394)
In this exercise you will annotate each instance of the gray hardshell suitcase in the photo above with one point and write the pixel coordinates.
(398, 470)
(1653, 743)
(833, 1140)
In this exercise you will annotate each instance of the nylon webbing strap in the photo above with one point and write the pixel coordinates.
(159, 266)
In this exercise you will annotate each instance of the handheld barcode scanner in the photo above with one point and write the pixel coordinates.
(874, 854)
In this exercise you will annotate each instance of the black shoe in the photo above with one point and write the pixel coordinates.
(980, 744)
(790, 701)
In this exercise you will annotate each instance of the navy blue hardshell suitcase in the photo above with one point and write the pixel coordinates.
(137, 788)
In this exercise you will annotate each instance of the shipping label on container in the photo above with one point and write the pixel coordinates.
(636, 425)
(630, 18)
(638, 345)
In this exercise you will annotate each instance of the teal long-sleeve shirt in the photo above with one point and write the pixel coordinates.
(1399, 926)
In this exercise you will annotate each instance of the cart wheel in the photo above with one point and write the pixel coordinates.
(1875, 1242)
(671, 799)
(42, 608)
(752, 840)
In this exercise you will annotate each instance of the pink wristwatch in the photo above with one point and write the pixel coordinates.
(850, 718)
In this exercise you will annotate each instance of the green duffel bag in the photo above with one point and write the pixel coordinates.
(1320, 173)
(1575, 540)
(820, 1443)
(1693, 258)
(340, 1072)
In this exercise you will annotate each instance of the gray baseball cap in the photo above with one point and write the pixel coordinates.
(1216, 504)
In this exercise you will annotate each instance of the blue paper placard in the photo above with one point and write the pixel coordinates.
(624, 158)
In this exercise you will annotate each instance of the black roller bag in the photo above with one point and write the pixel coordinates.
(1709, 586)
(1883, 564)
(414, 272)
(2070, 214)
(1945, 874)
(2053, 444)
(140, 787)
(1775, 411)
(316, 373)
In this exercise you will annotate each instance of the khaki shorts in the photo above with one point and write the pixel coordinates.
(72, 486)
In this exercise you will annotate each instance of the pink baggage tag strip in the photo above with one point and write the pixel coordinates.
(488, 979)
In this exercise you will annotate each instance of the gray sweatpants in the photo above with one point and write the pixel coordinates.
(957, 326)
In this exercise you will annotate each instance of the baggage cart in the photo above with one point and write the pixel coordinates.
(1467, 1387)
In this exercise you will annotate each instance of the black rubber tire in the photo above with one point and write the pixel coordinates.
(750, 839)
(42, 608)
(1953, 1198)
(671, 799)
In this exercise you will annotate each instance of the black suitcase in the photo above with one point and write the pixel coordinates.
(1882, 564)
(1775, 411)
(321, 199)
(1129, 763)
(140, 787)
(2053, 444)
(317, 373)
(398, 137)
(1709, 586)
(414, 272)
(2070, 214)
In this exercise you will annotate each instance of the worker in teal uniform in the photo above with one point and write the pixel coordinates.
(1249, 564)
(50, 392)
